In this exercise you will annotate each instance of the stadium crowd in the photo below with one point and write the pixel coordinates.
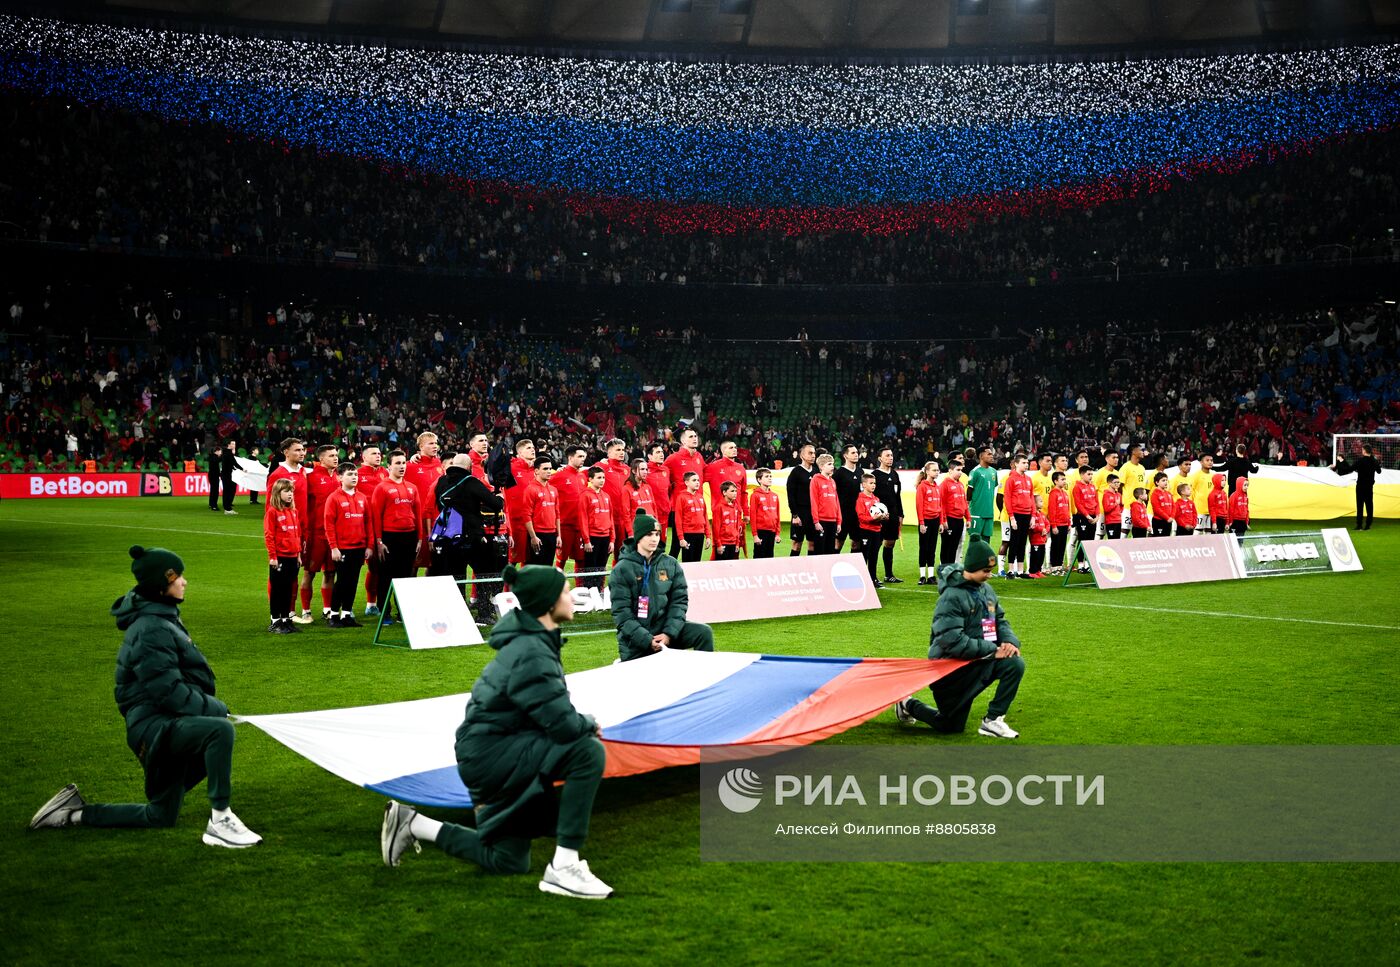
(116, 181)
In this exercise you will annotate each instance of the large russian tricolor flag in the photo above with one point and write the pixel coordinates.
(658, 711)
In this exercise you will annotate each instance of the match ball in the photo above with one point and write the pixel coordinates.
(878, 509)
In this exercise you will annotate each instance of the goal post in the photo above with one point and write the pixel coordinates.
(1386, 447)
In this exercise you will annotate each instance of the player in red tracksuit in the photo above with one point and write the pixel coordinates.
(1040, 535)
(541, 501)
(292, 468)
(1186, 518)
(615, 475)
(1020, 507)
(1218, 505)
(1112, 498)
(729, 524)
(596, 524)
(659, 480)
(282, 536)
(825, 505)
(763, 515)
(928, 511)
(570, 482)
(692, 523)
(372, 474)
(683, 461)
(638, 493)
(1239, 507)
(1141, 522)
(395, 528)
(956, 514)
(423, 472)
(522, 471)
(870, 526)
(1059, 517)
(1163, 507)
(1084, 501)
(345, 522)
(321, 483)
(478, 449)
(725, 469)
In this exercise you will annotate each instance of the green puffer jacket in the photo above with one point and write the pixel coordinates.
(161, 676)
(957, 618)
(668, 599)
(519, 717)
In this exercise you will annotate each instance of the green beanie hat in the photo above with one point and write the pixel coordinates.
(979, 555)
(154, 568)
(642, 525)
(536, 586)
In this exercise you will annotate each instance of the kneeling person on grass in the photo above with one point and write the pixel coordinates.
(650, 597)
(179, 731)
(520, 736)
(968, 623)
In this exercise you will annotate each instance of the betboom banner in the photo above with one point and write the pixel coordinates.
(1164, 560)
(145, 484)
(778, 587)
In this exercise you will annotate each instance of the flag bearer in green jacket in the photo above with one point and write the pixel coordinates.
(649, 597)
(520, 736)
(179, 731)
(968, 623)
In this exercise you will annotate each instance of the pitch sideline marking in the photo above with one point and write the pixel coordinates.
(1205, 614)
(130, 527)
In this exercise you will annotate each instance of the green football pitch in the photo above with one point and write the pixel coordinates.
(1295, 660)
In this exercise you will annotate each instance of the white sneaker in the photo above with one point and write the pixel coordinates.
(231, 513)
(325, 613)
(396, 834)
(58, 811)
(997, 728)
(574, 880)
(302, 619)
(230, 832)
(901, 714)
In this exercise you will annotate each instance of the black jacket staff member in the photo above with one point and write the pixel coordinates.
(460, 490)
(847, 477)
(1366, 468)
(889, 490)
(178, 729)
(799, 498)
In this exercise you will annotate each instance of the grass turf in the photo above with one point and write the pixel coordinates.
(1273, 661)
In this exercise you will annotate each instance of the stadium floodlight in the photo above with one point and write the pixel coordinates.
(1385, 446)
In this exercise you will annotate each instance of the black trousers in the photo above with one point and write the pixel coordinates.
(397, 563)
(928, 543)
(951, 540)
(1016, 549)
(448, 559)
(954, 693)
(1037, 558)
(825, 542)
(869, 545)
(696, 548)
(548, 544)
(1161, 527)
(1139, 532)
(347, 579)
(763, 542)
(597, 560)
(230, 492)
(487, 557)
(675, 535)
(1239, 527)
(1057, 546)
(1365, 506)
(213, 491)
(281, 586)
(1112, 532)
(1184, 531)
(727, 552)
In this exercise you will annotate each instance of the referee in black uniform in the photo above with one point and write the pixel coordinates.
(847, 477)
(799, 500)
(887, 489)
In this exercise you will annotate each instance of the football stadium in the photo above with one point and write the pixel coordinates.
(836, 479)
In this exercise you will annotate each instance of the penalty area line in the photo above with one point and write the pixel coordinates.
(130, 527)
(1204, 614)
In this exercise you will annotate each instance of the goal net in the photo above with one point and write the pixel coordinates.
(1385, 446)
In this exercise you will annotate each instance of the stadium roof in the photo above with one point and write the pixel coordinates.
(858, 28)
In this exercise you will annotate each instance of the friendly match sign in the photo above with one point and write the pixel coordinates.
(1164, 560)
(778, 587)
(434, 613)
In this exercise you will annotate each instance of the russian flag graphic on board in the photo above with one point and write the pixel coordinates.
(848, 582)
